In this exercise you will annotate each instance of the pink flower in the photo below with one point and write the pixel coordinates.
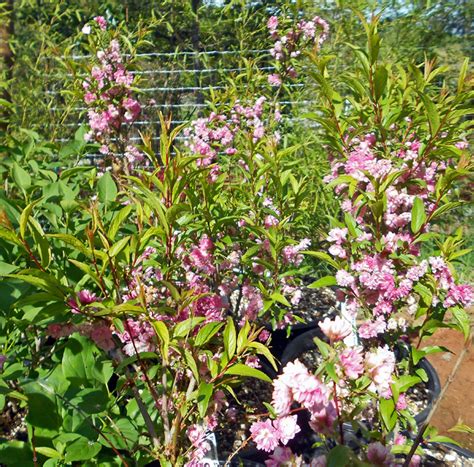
(338, 251)
(352, 362)
(337, 235)
(86, 297)
(322, 419)
(282, 397)
(253, 361)
(102, 22)
(89, 97)
(371, 329)
(380, 365)
(402, 402)
(462, 294)
(274, 80)
(197, 436)
(344, 279)
(265, 435)
(287, 427)
(337, 329)
(319, 461)
(102, 336)
(280, 456)
(271, 221)
(264, 335)
(379, 455)
(272, 23)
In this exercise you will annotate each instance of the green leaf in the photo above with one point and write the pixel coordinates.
(239, 369)
(9, 236)
(42, 409)
(325, 281)
(107, 188)
(230, 338)
(118, 220)
(48, 452)
(164, 336)
(91, 401)
(462, 320)
(339, 456)
(407, 381)
(380, 81)
(463, 74)
(322, 256)
(443, 439)
(323, 347)
(185, 327)
(82, 449)
(206, 333)
(204, 395)
(264, 350)
(432, 114)
(191, 362)
(6, 268)
(78, 359)
(24, 218)
(72, 241)
(116, 248)
(21, 177)
(16, 454)
(42, 281)
(388, 413)
(418, 215)
(278, 297)
(85, 268)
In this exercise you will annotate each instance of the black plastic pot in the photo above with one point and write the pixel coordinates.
(282, 338)
(463, 452)
(434, 388)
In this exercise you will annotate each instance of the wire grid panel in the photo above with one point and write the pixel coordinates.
(169, 84)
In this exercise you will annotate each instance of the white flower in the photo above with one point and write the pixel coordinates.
(86, 29)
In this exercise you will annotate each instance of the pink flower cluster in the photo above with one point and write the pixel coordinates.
(268, 434)
(99, 332)
(197, 436)
(374, 282)
(289, 43)
(112, 109)
(216, 134)
(296, 384)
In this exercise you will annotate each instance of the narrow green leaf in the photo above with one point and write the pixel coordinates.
(117, 248)
(21, 177)
(206, 333)
(107, 189)
(239, 369)
(204, 395)
(265, 351)
(325, 281)
(230, 338)
(418, 215)
(25, 215)
(432, 114)
(118, 220)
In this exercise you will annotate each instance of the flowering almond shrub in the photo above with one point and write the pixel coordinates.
(396, 147)
(137, 290)
(140, 294)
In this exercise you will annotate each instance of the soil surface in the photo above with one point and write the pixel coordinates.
(457, 405)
